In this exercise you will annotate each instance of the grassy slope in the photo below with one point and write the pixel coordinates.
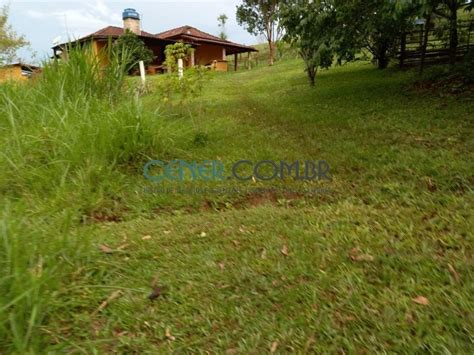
(233, 288)
(402, 191)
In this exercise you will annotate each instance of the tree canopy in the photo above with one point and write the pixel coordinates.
(308, 26)
(260, 17)
(324, 30)
(374, 25)
(10, 42)
(222, 20)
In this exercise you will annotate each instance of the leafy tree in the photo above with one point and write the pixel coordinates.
(447, 10)
(375, 25)
(260, 17)
(308, 25)
(134, 48)
(222, 19)
(10, 42)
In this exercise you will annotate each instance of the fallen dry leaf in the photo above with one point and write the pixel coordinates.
(453, 272)
(146, 237)
(123, 246)
(203, 234)
(167, 232)
(410, 319)
(354, 251)
(154, 282)
(355, 255)
(114, 295)
(274, 347)
(120, 333)
(421, 300)
(168, 335)
(431, 186)
(264, 254)
(155, 293)
(284, 250)
(105, 249)
(222, 266)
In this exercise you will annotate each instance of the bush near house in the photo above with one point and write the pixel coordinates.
(131, 47)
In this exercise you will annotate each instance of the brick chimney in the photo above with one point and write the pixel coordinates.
(131, 21)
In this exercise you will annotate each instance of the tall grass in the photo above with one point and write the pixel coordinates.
(78, 121)
(62, 136)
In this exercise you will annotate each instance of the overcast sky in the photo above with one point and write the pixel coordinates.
(44, 21)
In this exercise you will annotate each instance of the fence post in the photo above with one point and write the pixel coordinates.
(469, 35)
(142, 71)
(180, 68)
(403, 47)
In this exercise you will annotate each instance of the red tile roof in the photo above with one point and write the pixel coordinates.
(192, 33)
(106, 32)
(187, 33)
(113, 31)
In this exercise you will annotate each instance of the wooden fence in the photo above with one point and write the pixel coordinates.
(437, 50)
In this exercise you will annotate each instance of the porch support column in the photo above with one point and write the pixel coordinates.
(192, 60)
(235, 61)
(248, 60)
(224, 54)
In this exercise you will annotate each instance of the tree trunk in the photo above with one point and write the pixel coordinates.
(453, 32)
(403, 47)
(425, 43)
(312, 71)
(382, 61)
(381, 55)
(272, 52)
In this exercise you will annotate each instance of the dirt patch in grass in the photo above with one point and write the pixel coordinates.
(454, 85)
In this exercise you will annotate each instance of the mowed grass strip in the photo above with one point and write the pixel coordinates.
(342, 277)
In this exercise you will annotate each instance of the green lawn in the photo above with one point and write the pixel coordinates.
(380, 262)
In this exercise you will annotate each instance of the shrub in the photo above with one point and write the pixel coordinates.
(131, 49)
(172, 88)
(176, 51)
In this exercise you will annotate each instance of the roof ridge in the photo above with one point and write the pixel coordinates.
(220, 39)
(180, 32)
(171, 29)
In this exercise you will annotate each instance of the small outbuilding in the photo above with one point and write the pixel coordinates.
(18, 72)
